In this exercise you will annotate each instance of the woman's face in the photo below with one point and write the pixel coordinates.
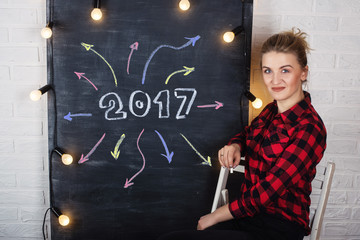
(283, 77)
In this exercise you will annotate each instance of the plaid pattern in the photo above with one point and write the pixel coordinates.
(281, 153)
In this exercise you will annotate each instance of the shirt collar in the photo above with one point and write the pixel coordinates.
(292, 114)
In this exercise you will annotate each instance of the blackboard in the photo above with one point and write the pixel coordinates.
(144, 98)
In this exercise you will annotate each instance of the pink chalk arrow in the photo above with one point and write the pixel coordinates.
(129, 182)
(133, 47)
(217, 105)
(86, 158)
(81, 75)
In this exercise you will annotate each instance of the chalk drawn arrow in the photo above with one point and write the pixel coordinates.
(168, 155)
(116, 151)
(129, 182)
(186, 71)
(69, 116)
(89, 47)
(191, 41)
(81, 75)
(217, 105)
(205, 161)
(133, 47)
(86, 158)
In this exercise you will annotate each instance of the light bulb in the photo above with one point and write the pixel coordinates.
(96, 14)
(257, 103)
(229, 37)
(46, 32)
(67, 159)
(184, 5)
(64, 220)
(35, 95)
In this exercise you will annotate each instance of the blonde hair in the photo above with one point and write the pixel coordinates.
(293, 41)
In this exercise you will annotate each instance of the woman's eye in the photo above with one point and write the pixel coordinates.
(284, 71)
(267, 71)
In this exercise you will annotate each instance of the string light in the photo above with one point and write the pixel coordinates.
(96, 13)
(62, 218)
(66, 158)
(46, 32)
(184, 5)
(230, 35)
(35, 95)
(255, 102)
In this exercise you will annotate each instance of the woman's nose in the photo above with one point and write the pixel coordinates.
(276, 79)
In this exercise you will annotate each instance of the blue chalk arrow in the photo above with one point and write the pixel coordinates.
(191, 41)
(168, 155)
(69, 115)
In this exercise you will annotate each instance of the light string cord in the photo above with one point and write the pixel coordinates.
(43, 225)
(235, 223)
(246, 66)
(51, 100)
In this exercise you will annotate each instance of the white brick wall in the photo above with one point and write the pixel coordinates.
(334, 34)
(334, 29)
(23, 123)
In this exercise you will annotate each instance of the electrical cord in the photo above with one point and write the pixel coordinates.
(43, 226)
(246, 66)
(50, 192)
(50, 77)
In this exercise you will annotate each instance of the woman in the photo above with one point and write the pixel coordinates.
(282, 147)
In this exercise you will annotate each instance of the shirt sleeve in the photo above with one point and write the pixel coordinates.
(240, 139)
(302, 154)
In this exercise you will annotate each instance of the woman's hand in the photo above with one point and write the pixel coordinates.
(206, 221)
(220, 215)
(229, 156)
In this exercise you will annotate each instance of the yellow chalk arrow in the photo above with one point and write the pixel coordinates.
(88, 47)
(206, 161)
(187, 71)
(116, 151)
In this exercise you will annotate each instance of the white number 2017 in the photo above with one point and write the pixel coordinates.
(112, 102)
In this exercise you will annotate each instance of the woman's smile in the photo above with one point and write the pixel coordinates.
(277, 89)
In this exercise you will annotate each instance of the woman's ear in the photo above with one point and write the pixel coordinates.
(304, 73)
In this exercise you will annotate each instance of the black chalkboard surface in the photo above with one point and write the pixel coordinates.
(144, 100)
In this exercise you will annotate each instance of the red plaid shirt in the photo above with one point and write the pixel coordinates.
(281, 152)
